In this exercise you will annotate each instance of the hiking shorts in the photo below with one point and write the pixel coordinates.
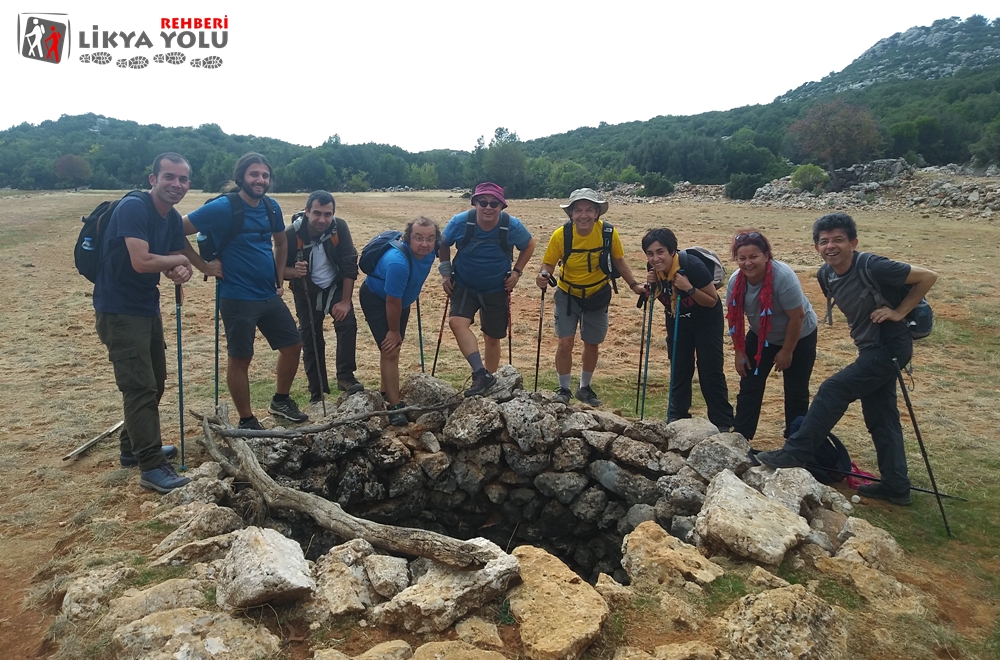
(242, 318)
(593, 323)
(492, 308)
(373, 307)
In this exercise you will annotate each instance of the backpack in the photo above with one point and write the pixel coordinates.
(300, 217)
(87, 254)
(470, 231)
(378, 246)
(712, 262)
(207, 247)
(830, 459)
(604, 261)
(920, 320)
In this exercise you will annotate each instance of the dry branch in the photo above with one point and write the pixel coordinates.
(331, 516)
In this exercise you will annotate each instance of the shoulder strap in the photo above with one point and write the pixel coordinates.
(236, 203)
(867, 279)
(470, 230)
(821, 276)
(608, 232)
(567, 241)
(504, 231)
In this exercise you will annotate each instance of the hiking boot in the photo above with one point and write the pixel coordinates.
(724, 429)
(482, 380)
(251, 424)
(350, 385)
(398, 419)
(586, 394)
(162, 479)
(128, 459)
(316, 398)
(779, 459)
(562, 395)
(878, 492)
(288, 409)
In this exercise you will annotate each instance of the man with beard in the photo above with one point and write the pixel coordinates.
(143, 239)
(251, 285)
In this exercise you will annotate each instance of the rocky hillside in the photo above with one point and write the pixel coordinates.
(922, 52)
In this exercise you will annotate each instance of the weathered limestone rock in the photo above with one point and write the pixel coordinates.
(362, 403)
(207, 470)
(454, 651)
(763, 578)
(193, 633)
(478, 632)
(388, 575)
(396, 649)
(653, 432)
(167, 595)
(85, 594)
(574, 424)
(745, 522)
(635, 488)
(559, 613)
(610, 422)
(564, 486)
(654, 558)
(329, 654)
(874, 545)
(785, 624)
(830, 523)
(723, 451)
(796, 489)
(509, 383)
(262, 566)
(472, 421)
(636, 453)
(684, 434)
(442, 595)
(629, 653)
(599, 440)
(756, 476)
(209, 520)
(342, 585)
(571, 454)
(178, 515)
(524, 465)
(684, 494)
(196, 550)
(521, 417)
(209, 491)
(883, 591)
(678, 614)
(613, 593)
(434, 464)
(689, 651)
(422, 389)
(589, 506)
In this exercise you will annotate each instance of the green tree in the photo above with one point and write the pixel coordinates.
(629, 175)
(743, 186)
(73, 169)
(807, 177)
(987, 149)
(837, 134)
(655, 184)
(566, 176)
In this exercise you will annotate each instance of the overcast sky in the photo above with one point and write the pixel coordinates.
(438, 74)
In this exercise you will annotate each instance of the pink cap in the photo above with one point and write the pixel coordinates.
(489, 189)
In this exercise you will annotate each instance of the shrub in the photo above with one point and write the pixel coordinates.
(808, 176)
(655, 184)
(629, 175)
(743, 186)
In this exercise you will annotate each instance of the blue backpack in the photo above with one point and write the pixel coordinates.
(378, 246)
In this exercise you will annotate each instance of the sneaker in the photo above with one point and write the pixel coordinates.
(779, 459)
(251, 424)
(586, 394)
(724, 429)
(350, 385)
(162, 478)
(562, 395)
(398, 419)
(288, 409)
(878, 492)
(482, 381)
(129, 460)
(316, 398)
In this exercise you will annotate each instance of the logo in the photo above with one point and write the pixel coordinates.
(43, 37)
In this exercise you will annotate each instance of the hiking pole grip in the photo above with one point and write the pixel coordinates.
(178, 296)
(920, 441)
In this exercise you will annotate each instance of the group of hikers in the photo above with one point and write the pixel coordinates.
(771, 322)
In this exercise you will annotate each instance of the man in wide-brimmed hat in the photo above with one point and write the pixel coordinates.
(481, 277)
(592, 255)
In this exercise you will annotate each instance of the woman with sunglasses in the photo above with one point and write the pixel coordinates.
(766, 293)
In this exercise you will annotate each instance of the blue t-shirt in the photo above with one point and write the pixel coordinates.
(393, 276)
(247, 262)
(481, 265)
(119, 289)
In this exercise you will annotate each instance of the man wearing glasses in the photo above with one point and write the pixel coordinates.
(481, 277)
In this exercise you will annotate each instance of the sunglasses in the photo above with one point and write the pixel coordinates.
(483, 204)
(743, 238)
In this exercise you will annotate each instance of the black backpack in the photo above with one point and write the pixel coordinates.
(831, 459)
(88, 254)
(920, 320)
(378, 246)
(208, 248)
(470, 231)
(604, 261)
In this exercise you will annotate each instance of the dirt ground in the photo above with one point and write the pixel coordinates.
(59, 389)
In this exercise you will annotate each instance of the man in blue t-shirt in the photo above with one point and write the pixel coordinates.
(386, 296)
(481, 277)
(251, 285)
(143, 238)
(881, 334)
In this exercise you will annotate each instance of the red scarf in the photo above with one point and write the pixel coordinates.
(735, 316)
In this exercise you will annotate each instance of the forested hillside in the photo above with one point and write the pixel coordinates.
(930, 94)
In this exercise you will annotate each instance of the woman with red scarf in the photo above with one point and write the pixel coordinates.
(767, 294)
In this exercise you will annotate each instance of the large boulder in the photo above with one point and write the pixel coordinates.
(875, 547)
(683, 434)
(635, 488)
(723, 451)
(521, 416)
(559, 614)
(653, 558)
(263, 566)
(207, 520)
(86, 594)
(422, 389)
(193, 633)
(741, 520)
(796, 489)
(472, 421)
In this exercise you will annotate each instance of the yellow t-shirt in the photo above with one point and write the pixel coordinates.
(582, 268)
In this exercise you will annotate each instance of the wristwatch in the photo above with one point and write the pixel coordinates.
(517, 270)
(690, 292)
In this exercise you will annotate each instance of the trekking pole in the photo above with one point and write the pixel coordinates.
(180, 371)
(541, 314)
(300, 256)
(920, 441)
(673, 354)
(420, 336)
(444, 317)
(217, 343)
(510, 331)
(649, 338)
(828, 319)
(641, 303)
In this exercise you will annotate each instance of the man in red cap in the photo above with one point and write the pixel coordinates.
(481, 277)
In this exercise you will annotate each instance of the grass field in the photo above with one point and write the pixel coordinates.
(59, 391)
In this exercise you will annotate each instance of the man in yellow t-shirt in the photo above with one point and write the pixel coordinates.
(584, 289)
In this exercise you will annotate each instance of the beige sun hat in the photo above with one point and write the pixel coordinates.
(588, 194)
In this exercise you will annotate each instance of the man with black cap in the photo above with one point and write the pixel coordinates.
(322, 266)
(481, 277)
(584, 289)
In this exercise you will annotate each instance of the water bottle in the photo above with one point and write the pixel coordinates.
(88, 244)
